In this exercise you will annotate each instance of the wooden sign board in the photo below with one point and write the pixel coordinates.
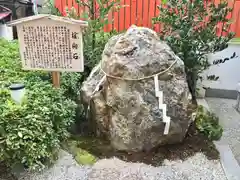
(50, 43)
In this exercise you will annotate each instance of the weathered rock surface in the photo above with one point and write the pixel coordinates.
(127, 112)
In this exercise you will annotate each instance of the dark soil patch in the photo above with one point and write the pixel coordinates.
(193, 143)
(5, 173)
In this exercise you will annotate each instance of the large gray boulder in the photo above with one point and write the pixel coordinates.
(127, 111)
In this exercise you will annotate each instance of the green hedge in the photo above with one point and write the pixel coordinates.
(31, 133)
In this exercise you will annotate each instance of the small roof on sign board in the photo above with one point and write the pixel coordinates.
(48, 16)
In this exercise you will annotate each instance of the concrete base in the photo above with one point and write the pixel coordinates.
(221, 93)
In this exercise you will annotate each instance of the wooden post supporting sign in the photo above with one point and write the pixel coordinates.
(56, 79)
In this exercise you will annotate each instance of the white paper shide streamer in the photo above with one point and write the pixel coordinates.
(158, 93)
(98, 86)
(163, 107)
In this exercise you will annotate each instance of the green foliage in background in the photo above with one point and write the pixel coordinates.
(30, 133)
(49, 7)
(71, 83)
(93, 56)
(94, 37)
(190, 29)
(208, 124)
(10, 65)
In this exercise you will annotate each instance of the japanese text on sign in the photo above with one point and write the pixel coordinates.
(51, 47)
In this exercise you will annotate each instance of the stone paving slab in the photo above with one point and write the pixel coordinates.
(229, 163)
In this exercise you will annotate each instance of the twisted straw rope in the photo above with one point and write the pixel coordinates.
(139, 79)
(167, 125)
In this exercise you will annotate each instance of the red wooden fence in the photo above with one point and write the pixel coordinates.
(141, 12)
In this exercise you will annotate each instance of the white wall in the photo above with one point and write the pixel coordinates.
(228, 71)
(6, 32)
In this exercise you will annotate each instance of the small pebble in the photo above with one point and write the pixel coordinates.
(197, 167)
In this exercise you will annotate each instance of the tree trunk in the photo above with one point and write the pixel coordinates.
(192, 84)
(93, 18)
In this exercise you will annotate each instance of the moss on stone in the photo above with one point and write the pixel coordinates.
(82, 156)
(87, 149)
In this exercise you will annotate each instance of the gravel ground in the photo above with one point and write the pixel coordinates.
(229, 118)
(197, 167)
(66, 168)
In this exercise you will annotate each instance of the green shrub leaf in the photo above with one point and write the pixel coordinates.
(208, 124)
(31, 133)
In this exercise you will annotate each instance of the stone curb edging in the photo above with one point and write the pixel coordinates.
(227, 159)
